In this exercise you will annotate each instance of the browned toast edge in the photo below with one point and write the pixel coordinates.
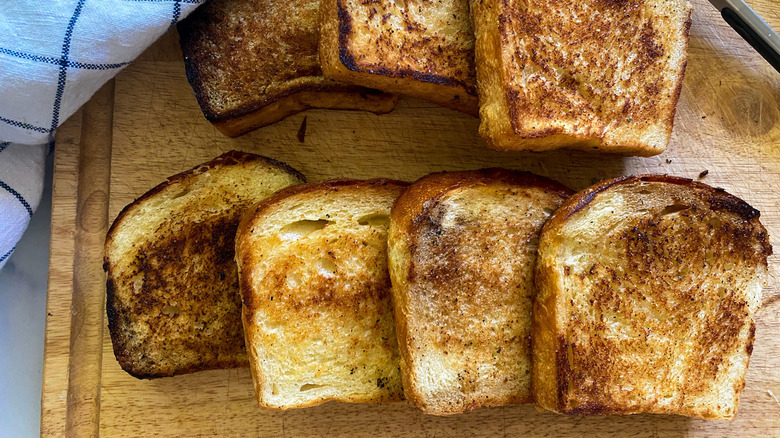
(340, 64)
(412, 201)
(340, 98)
(307, 93)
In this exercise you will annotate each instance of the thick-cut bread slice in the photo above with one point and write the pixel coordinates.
(587, 74)
(461, 252)
(646, 291)
(254, 62)
(173, 303)
(418, 48)
(317, 315)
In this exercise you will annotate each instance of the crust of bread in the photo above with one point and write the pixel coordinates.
(415, 48)
(136, 310)
(333, 306)
(453, 236)
(252, 63)
(689, 262)
(611, 85)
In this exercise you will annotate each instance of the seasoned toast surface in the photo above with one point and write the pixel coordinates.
(316, 292)
(420, 48)
(647, 287)
(254, 62)
(172, 287)
(583, 74)
(461, 252)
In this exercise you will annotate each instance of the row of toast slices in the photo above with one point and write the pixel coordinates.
(540, 74)
(461, 290)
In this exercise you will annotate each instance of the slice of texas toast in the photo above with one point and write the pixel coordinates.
(646, 291)
(461, 252)
(418, 48)
(254, 62)
(172, 288)
(580, 74)
(317, 315)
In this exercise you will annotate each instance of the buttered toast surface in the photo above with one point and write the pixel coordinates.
(732, 143)
(172, 286)
(316, 295)
(419, 48)
(461, 250)
(593, 75)
(254, 62)
(647, 289)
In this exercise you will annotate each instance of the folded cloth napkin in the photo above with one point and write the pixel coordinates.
(54, 55)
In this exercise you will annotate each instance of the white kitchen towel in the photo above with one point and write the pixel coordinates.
(54, 54)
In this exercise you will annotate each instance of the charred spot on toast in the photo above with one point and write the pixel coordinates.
(345, 29)
(180, 295)
(721, 201)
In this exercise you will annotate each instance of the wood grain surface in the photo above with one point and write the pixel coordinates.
(148, 126)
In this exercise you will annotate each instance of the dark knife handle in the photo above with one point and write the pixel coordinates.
(753, 38)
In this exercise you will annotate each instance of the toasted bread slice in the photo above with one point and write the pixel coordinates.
(580, 74)
(418, 48)
(173, 303)
(317, 315)
(646, 291)
(254, 62)
(461, 252)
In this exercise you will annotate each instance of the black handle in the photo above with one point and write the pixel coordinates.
(754, 39)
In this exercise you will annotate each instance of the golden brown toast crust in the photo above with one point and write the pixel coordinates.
(253, 59)
(656, 278)
(464, 263)
(353, 297)
(420, 48)
(409, 205)
(166, 274)
(608, 79)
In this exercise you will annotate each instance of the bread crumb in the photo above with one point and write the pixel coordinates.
(302, 131)
(703, 173)
(773, 397)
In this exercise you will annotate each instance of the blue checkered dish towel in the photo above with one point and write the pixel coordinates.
(54, 54)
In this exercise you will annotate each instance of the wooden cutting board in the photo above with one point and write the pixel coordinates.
(147, 125)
